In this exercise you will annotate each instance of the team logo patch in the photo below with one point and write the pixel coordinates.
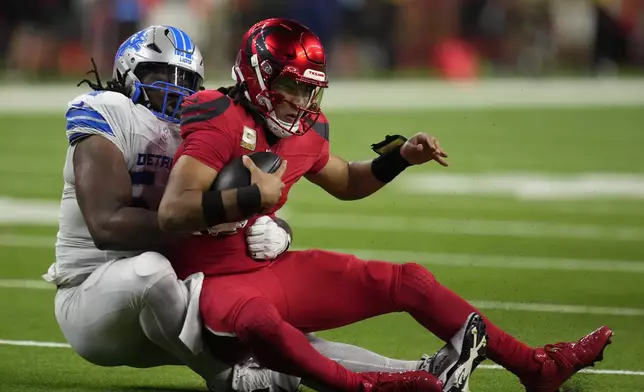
(249, 138)
(266, 67)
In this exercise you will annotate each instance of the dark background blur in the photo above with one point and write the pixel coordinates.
(364, 38)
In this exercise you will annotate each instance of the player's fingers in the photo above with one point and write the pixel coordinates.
(262, 220)
(255, 248)
(421, 137)
(254, 240)
(281, 170)
(432, 143)
(439, 149)
(255, 230)
(250, 165)
(437, 145)
(441, 160)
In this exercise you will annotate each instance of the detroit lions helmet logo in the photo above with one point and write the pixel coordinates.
(134, 42)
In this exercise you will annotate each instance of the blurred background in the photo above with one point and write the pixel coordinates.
(438, 38)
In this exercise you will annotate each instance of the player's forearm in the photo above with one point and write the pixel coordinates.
(360, 182)
(130, 228)
(367, 177)
(197, 210)
(182, 212)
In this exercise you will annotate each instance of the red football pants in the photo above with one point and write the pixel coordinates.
(311, 290)
(307, 291)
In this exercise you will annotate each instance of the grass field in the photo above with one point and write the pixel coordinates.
(539, 220)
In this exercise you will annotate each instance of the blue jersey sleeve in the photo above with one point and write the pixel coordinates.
(84, 121)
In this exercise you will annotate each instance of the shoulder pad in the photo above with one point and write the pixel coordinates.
(101, 98)
(202, 107)
(88, 114)
(321, 126)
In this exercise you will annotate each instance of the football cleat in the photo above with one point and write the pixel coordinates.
(457, 359)
(411, 381)
(249, 376)
(558, 362)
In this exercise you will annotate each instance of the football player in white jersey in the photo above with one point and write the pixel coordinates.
(119, 302)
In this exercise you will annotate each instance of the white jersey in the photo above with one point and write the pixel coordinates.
(148, 145)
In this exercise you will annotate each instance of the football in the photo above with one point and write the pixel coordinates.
(235, 175)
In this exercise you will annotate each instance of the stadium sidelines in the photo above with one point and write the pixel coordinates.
(615, 372)
(395, 95)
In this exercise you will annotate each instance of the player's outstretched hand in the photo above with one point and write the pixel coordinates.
(422, 148)
(270, 185)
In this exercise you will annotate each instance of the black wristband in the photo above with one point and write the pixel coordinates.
(249, 200)
(388, 165)
(213, 208)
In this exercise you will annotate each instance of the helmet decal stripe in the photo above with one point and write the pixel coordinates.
(181, 39)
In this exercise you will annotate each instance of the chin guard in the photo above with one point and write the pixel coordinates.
(391, 143)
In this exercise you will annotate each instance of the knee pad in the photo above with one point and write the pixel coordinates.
(158, 278)
(152, 265)
(415, 286)
(164, 299)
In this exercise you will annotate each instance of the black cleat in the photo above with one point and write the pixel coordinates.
(455, 361)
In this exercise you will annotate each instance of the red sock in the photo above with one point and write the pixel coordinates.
(283, 348)
(443, 312)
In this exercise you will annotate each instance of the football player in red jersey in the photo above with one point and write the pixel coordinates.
(275, 105)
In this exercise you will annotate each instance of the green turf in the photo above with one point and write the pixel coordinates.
(535, 141)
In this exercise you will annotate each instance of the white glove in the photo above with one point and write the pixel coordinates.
(266, 240)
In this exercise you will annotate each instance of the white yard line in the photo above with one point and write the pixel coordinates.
(471, 227)
(27, 241)
(33, 284)
(396, 223)
(499, 205)
(481, 304)
(617, 372)
(554, 308)
(527, 186)
(587, 371)
(31, 343)
(498, 261)
(28, 212)
(425, 258)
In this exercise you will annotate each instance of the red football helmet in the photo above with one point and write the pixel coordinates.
(286, 50)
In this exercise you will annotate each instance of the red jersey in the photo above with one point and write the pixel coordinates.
(215, 131)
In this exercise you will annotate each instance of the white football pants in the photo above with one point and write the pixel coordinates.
(130, 312)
